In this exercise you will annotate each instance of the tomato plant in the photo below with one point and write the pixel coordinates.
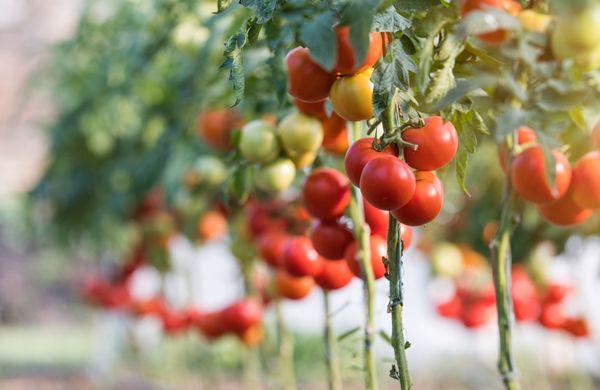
(387, 183)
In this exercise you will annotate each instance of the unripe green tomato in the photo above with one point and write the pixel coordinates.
(304, 160)
(275, 176)
(258, 142)
(211, 171)
(300, 134)
(447, 260)
(583, 29)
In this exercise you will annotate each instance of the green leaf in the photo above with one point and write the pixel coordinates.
(348, 333)
(319, 37)
(385, 337)
(549, 162)
(443, 79)
(239, 185)
(222, 5)
(390, 21)
(509, 119)
(358, 15)
(263, 9)
(416, 5)
(426, 57)
(469, 124)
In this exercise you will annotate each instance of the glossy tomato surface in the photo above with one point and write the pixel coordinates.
(330, 239)
(378, 249)
(352, 96)
(292, 287)
(326, 193)
(334, 276)
(346, 58)
(437, 143)
(359, 154)
(387, 183)
(426, 202)
(307, 81)
(586, 181)
(300, 257)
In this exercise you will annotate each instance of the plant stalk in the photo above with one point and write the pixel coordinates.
(362, 235)
(332, 358)
(285, 345)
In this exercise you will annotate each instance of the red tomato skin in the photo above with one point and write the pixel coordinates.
(334, 276)
(528, 177)
(476, 314)
(359, 154)
(335, 137)
(377, 219)
(330, 239)
(525, 135)
(387, 183)
(326, 193)
(378, 248)
(211, 325)
(451, 308)
(552, 316)
(437, 144)
(577, 326)
(586, 181)
(564, 212)
(300, 257)
(307, 81)
(271, 246)
(315, 110)
(346, 64)
(291, 287)
(556, 293)
(215, 127)
(426, 202)
(241, 315)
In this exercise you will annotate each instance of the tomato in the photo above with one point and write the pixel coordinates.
(307, 81)
(300, 134)
(526, 309)
(326, 193)
(174, 322)
(510, 6)
(556, 293)
(585, 186)
(252, 336)
(451, 308)
(359, 154)
(476, 314)
(387, 183)
(577, 36)
(276, 176)
(437, 143)
(525, 136)
(211, 325)
(577, 327)
(378, 249)
(271, 246)
(345, 63)
(291, 287)
(564, 212)
(426, 202)
(335, 139)
(471, 258)
(258, 142)
(535, 21)
(552, 316)
(330, 239)
(215, 127)
(528, 176)
(300, 257)
(241, 315)
(352, 96)
(447, 260)
(314, 110)
(334, 276)
(212, 226)
(261, 221)
(377, 219)
(303, 160)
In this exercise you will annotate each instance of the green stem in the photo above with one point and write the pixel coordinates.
(334, 376)
(286, 352)
(501, 259)
(362, 234)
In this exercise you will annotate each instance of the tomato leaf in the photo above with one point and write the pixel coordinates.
(469, 124)
(263, 9)
(358, 15)
(319, 37)
(443, 79)
(390, 21)
(222, 5)
(234, 60)
(348, 333)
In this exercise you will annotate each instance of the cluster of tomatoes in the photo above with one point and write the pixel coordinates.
(576, 190)
(389, 183)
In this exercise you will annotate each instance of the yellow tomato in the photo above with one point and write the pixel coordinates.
(352, 96)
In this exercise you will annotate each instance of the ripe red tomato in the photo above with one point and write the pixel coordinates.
(330, 239)
(315, 110)
(307, 81)
(476, 314)
(564, 212)
(211, 325)
(528, 176)
(585, 186)
(212, 226)
(377, 219)
(291, 287)
(241, 315)
(426, 202)
(215, 127)
(326, 193)
(378, 247)
(300, 257)
(346, 64)
(525, 136)
(359, 154)
(510, 6)
(174, 322)
(552, 316)
(577, 327)
(271, 246)
(334, 276)
(450, 308)
(437, 144)
(252, 336)
(335, 137)
(352, 96)
(556, 292)
(387, 183)
(260, 220)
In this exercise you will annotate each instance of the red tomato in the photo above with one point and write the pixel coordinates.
(153, 306)
(586, 181)
(307, 81)
(377, 219)
(315, 110)
(552, 316)
(271, 246)
(437, 143)
(260, 220)
(387, 183)
(426, 202)
(215, 127)
(326, 193)
(300, 257)
(335, 137)
(291, 287)
(564, 212)
(211, 325)
(330, 239)
(335, 275)
(346, 64)
(526, 309)
(476, 314)
(212, 226)
(450, 308)
(510, 6)
(528, 176)
(577, 327)
(525, 136)
(378, 248)
(359, 154)
(241, 315)
(252, 336)
(174, 322)
(556, 292)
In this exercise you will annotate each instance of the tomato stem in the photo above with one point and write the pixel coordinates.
(332, 358)
(285, 345)
(362, 233)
